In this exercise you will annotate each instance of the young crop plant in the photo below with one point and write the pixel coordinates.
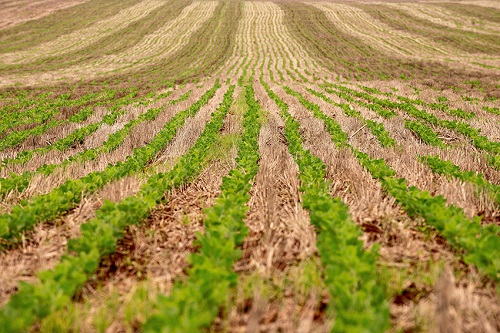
(43, 113)
(182, 98)
(21, 181)
(194, 304)
(46, 207)
(441, 104)
(380, 110)
(492, 110)
(100, 235)
(77, 136)
(478, 244)
(382, 135)
(359, 301)
(425, 133)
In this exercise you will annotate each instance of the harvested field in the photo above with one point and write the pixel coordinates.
(249, 166)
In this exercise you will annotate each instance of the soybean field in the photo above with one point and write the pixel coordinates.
(249, 166)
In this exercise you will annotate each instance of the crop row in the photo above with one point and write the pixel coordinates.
(48, 206)
(358, 297)
(376, 128)
(21, 181)
(100, 235)
(492, 110)
(42, 114)
(449, 169)
(424, 132)
(478, 243)
(440, 105)
(194, 304)
(461, 127)
(381, 111)
(77, 136)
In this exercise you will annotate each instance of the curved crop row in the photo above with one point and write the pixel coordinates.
(77, 136)
(377, 129)
(461, 127)
(492, 110)
(42, 113)
(440, 105)
(100, 235)
(21, 181)
(449, 169)
(425, 133)
(358, 297)
(383, 112)
(48, 206)
(193, 305)
(479, 243)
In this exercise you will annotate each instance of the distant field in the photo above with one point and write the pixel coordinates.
(249, 166)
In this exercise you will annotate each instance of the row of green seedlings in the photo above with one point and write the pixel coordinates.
(441, 103)
(284, 58)
(425, 133)
(478, 245)
(99, 236)
(420, 129)
(194, 304)
(22, 100)
(376, 128)
(44, 112)
(43, 116)
(77, 136)
(182, 98)
(492, 110)
(359, 301)
(448, 169)
(479, 141)
(26, 107)
(430, 137)
(383, 112)
(43, 108)
(21, 181)
(290, 74)
(46, 207)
